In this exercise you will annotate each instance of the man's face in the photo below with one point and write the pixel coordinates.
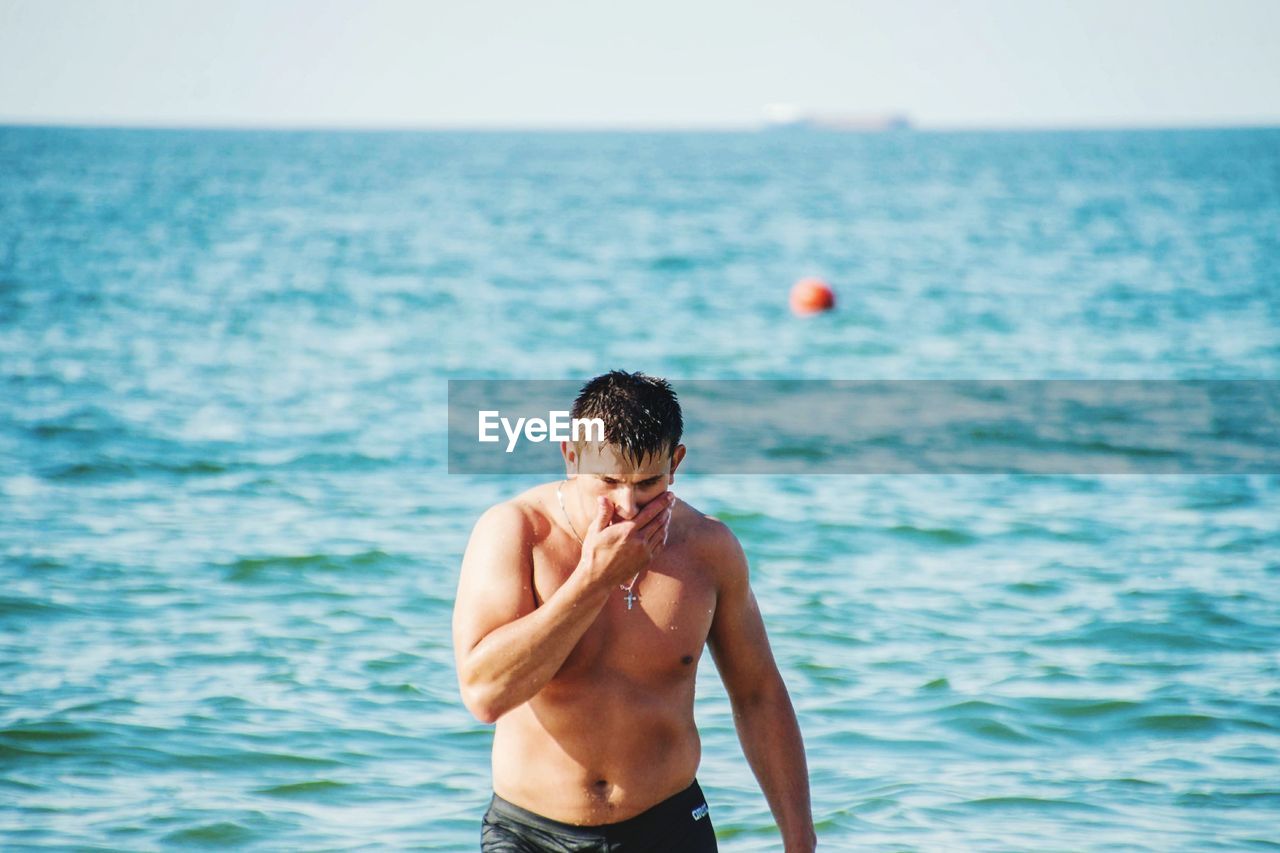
(601, 469)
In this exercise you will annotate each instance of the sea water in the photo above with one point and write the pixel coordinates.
(229, 542)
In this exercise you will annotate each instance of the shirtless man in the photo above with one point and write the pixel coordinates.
(582, 611)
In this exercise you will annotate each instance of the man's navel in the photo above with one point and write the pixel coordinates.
(601, 789)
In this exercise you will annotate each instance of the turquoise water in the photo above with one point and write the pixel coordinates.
(228, 542)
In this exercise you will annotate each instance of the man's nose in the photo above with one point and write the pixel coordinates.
(624, 501)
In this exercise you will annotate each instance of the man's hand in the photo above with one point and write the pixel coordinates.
(615, 553)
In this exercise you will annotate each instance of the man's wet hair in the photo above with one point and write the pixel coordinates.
(640, 412)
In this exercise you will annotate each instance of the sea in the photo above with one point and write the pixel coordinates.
(230, 539)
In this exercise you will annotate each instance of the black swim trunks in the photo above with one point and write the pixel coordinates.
(678, 824)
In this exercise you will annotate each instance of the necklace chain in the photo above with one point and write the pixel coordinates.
(624, 587)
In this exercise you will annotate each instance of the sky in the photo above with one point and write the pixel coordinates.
(661, 63)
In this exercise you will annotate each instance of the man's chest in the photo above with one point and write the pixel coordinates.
(656, 629)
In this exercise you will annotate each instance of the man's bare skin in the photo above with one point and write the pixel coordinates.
(612, 733)
(593, 702)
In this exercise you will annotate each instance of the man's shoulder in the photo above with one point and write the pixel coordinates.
(717, 552)
(523, 515)
(709, 536)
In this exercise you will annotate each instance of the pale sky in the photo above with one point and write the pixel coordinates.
(664, 63)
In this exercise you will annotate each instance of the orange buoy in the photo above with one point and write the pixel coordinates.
(812, 296)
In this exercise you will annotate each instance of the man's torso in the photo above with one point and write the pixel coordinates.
(613, 733)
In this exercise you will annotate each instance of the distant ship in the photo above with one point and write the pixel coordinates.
(788, 117)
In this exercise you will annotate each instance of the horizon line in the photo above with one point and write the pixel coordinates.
(913, 126)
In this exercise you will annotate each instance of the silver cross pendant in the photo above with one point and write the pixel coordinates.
(631, 598)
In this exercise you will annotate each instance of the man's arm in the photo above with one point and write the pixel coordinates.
(507, 649)
(762, 710)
